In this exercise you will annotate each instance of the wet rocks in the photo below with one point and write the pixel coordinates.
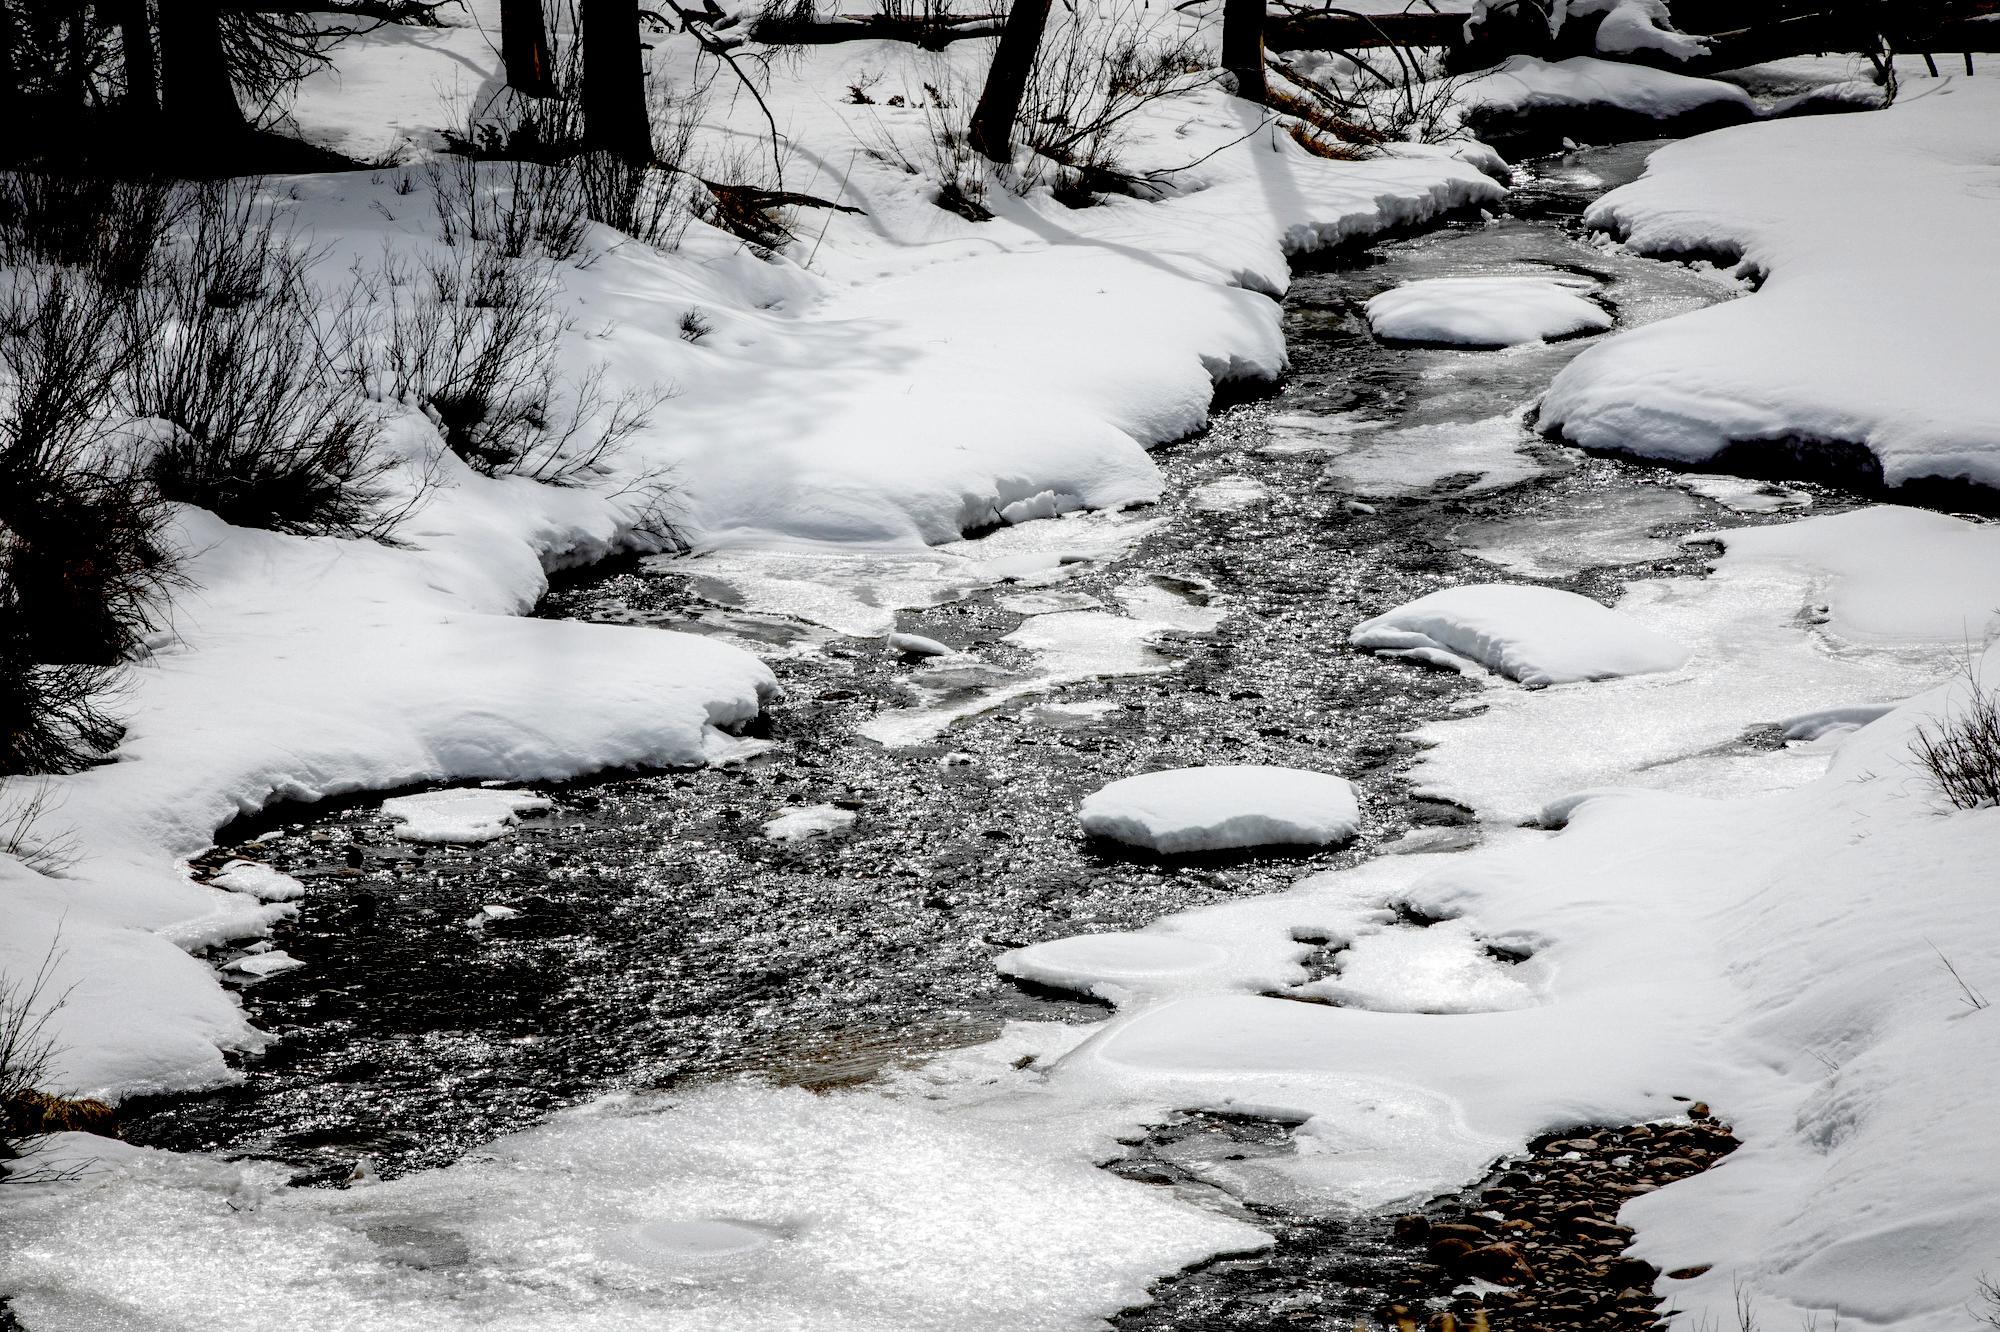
(1544, 1228)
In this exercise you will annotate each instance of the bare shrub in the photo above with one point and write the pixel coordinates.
(231, 350)
(1960, 753)
(109, 227)
(473, 337)
(1391, 93)
(27, 1059)
(1097, 68)
(549, 185)
(515, 206)
(83, 563)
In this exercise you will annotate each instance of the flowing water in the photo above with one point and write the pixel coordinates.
(668, 932)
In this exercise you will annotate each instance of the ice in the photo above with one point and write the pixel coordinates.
(1745, 496)
(807, 821)
(1538, 636)
(463, 814)
(1593, 531)
(1042, 603)
(1215, 808)
(1229, 494)
(1069, 646)
(260, 881)
(1488, 311)
(917, 645)
(1441, 968)
(736, 1208)
(1384, 463)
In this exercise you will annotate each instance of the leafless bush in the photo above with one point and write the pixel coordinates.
(1960, 753)
(82, 560)
(27, 1058)
(109, 227)
(1392, 92)
(942, 153)
(473, 337)
(24, 831)
(1097, 68)
(232, 351)
(538, 200)
(517, 207)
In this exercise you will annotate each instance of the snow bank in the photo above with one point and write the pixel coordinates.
(1487, 312)
(467, 814)
(1230, 805)
(1873, 328)
(1536, 635)
(1524, 90)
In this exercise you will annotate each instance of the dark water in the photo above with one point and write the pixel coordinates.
(662, 937)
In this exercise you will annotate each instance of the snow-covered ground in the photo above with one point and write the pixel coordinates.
(1873, 324)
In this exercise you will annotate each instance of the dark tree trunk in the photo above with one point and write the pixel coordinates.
(1243, 47)
(142, 75)
(76, 56)
(196, 98)
(992, 131)
(614, 81)
(524, 48)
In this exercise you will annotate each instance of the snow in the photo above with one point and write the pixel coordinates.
(1443, 968)
(1538, 636)
(795, 825)
(260, 881)
(1873, 326)
(916, 645)
(1222, 807)
(1229, 494)
(1487, 312)
(1526, 85)
(462, 814)
(1383, 462)
(1629, 27)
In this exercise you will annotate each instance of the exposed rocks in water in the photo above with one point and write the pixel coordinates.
(1535, 1246)
(1543, 1228)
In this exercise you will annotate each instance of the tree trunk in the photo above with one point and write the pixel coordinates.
(614, 81)
(197, 102)
(142, 75)
(1243, 47)
(524, 48)
(76, 57)
(992, 131)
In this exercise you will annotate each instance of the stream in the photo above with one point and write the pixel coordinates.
(667, 931)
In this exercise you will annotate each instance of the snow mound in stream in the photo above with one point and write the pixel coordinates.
(1487, 311)
(464, 814)
(1536, 635)
(1211, 809)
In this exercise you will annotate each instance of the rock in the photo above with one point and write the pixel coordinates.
(1471, 1234)
(1688, 1273)
(1413, 1228)
(1503, 1264)
(1449, 1253)
(1631, 1272)
(1699, 1110)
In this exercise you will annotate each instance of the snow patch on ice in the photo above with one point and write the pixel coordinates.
(807, 821)
(1217, 808)
(463, 814)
